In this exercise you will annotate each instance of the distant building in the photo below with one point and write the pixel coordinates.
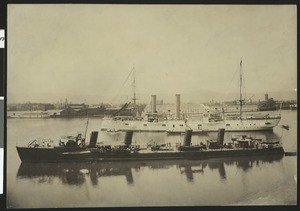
(30, 107)
(267, 104)
(83, 110)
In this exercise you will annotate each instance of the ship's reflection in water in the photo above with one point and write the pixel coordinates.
(78, 173)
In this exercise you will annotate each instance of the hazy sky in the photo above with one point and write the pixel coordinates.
(90, 49)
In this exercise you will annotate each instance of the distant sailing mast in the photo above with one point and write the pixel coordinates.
(134, 94)
(241, 79)
(135, 110)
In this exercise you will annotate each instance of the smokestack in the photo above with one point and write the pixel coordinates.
(266, 97)
(128, 138)
(93, 139)
(187, 138)
(153, 103)
(177, 106)
(221, 134)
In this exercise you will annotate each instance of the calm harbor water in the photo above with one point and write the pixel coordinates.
(263, 180)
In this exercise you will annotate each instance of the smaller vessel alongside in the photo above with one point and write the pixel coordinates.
(75, 149)
(287, 127)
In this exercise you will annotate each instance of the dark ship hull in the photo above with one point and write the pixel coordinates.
(86, 155)
(92, 152)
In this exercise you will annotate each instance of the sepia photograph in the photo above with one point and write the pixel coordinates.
(118, 105)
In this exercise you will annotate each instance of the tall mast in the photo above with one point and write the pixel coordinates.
(134, 95)
(241, 79)
(87, 124)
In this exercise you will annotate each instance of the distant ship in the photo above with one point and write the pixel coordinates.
(211, 120)
(207, 123)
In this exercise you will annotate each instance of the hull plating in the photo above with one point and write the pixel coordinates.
(53, 155)
(179, 126)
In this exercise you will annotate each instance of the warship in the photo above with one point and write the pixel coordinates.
(211, 120)
(74, 149)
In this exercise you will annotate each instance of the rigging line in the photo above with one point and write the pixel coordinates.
(232, 79)
(118, 94)
(122, 86)
(125, 93)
